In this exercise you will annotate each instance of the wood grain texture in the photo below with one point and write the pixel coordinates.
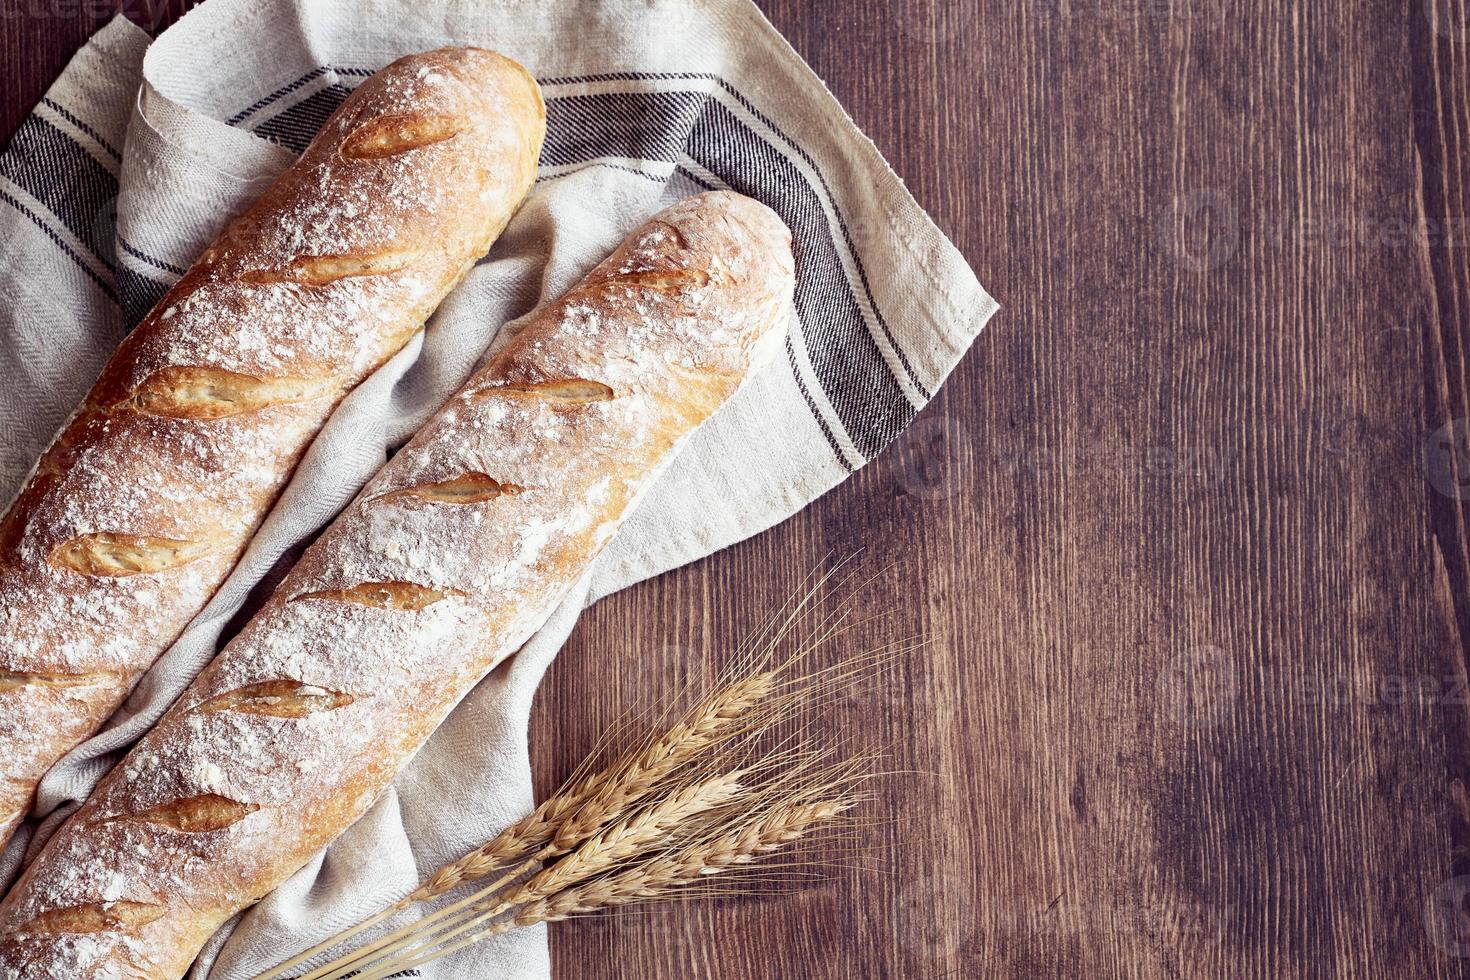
(1187, 530)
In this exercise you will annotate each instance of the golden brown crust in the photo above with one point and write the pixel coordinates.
(143, 504)
(407, 600)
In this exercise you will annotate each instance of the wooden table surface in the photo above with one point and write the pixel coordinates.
(1187, 529)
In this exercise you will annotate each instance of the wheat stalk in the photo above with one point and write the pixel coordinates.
(740, 843)
(626, 839)
(809, 777)
(711, 722)
(571, 815)
(596, 800)
(604, 820)
(564, 819)
(782, 773)
(655, 878)
(630, 837)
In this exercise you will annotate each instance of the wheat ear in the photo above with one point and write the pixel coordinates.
(654, 879)
(629, 838)
(657, 877)
(809, 776)
(587, 803)
(566, 818)
(624, 840)
(611, 792)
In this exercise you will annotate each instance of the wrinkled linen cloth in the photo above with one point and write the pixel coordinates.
(143, 149)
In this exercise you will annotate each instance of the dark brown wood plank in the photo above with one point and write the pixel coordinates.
(38, 38)
(1187, 530)
(1197, 699)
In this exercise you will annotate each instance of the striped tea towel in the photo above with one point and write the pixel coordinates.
(140, 152)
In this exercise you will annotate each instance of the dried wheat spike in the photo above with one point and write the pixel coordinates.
(659, 876)
(630, 837)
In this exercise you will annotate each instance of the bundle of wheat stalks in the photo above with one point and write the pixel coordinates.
(696, 808)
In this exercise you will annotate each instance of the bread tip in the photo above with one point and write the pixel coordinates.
(495, 63)
(471, 65)
(763, 222)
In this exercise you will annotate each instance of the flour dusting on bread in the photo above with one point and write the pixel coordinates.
(414, 593)
(138, 511)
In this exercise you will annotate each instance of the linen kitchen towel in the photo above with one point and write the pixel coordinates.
(141, 151)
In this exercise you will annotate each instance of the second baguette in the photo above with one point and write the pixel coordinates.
(449, 559)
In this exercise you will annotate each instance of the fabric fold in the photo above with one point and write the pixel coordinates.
(141, 151)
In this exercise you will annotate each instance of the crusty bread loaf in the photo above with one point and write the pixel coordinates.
(448, 560)
(137, 512)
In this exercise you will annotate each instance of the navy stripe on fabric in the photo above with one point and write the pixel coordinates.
(652, 125)
(696, 178)
(142, 256)
(68, 181)
(628, 76)
(844, 356)
(286, 90)
(842, 223)
(65, 177)
(662, 126)
(137, 294)
(811, 405)
(61, 111)
(641, 126)
(61, 244)
(297, 126)
(603, 163)
(806, 157)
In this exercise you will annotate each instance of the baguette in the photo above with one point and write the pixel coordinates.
(137, 512)
(445, 564)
